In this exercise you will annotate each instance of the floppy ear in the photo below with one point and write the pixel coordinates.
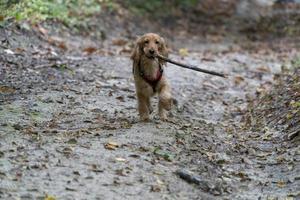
(136, 52)
(164, 49)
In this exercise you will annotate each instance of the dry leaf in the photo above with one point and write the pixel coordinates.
(111, 145)
(281, 184)
(263, 69)
(62, 45)
(42, 30)
(6, 90)
(183, 52)
(89, 50)
(8, 51)
(119, 42)
(19, 50)
(120, 98)
(155, 188)
(49, 197)
(120, 159)
(238, 80)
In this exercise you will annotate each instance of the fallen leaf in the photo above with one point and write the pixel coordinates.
(155, 188)
(119, 42)
(121, 172)
(19, 50)
(89, 50)
(6, 90)
(120, 98)
(111, 145)
(49, 197)
(62, 45)
(164, 154)
(57, 41)
(263, 69)
(120, 159)
(8, 51)
(42, 30)
(281, 184)
(72, 141)
(238, 80)
(183, 52)
(96, 168)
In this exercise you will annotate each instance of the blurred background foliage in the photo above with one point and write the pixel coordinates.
(157, 7)
(65, 10)
(254, 15)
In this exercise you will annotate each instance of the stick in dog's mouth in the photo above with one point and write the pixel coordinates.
(191, 67)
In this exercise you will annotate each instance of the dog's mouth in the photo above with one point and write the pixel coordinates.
(151, 56)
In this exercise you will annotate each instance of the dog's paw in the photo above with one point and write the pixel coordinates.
(166, 103)
(145, 119)
(163, 116)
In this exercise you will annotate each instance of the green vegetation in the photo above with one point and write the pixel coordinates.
(157, 7)
(68, 11)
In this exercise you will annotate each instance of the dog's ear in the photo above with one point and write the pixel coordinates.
(137, 51)
(164, 49)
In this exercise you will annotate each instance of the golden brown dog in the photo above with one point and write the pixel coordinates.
(149, 77)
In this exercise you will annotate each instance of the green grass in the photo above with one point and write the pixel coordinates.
(69, 11)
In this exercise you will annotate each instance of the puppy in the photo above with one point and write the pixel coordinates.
(149, 75)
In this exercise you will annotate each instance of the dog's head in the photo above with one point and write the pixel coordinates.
(149, 45)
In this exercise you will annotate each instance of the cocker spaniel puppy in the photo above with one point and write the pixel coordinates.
(149, 75)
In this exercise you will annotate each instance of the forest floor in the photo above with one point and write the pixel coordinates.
(69, 127)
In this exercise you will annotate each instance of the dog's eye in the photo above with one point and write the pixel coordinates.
(146, 42)
(156, 42)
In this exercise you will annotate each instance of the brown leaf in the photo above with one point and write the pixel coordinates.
(155, 188)
(89, 50)
(119, 42)
(263, 69)
(6, 90)
(238, 80)
(19, 50)
(120, 98)
(111, 145)
(62, 45)
(42, 30)
(56, 41)
(281, 184)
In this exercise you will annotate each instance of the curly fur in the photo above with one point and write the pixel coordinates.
(143, 54)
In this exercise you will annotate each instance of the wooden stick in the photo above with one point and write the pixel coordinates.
(191, 67)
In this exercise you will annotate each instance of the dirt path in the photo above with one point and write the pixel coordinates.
(69, 127)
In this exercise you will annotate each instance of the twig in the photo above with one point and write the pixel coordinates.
(192, 67)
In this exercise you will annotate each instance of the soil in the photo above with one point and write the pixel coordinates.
(69, 127)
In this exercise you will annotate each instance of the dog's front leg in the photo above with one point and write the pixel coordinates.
(143, 108)
(165, 102)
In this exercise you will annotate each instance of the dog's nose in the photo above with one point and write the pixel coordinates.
(151, 51)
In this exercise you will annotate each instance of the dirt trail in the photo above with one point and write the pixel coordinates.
(69, 126)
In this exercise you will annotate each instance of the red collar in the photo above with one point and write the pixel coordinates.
(150, 80)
